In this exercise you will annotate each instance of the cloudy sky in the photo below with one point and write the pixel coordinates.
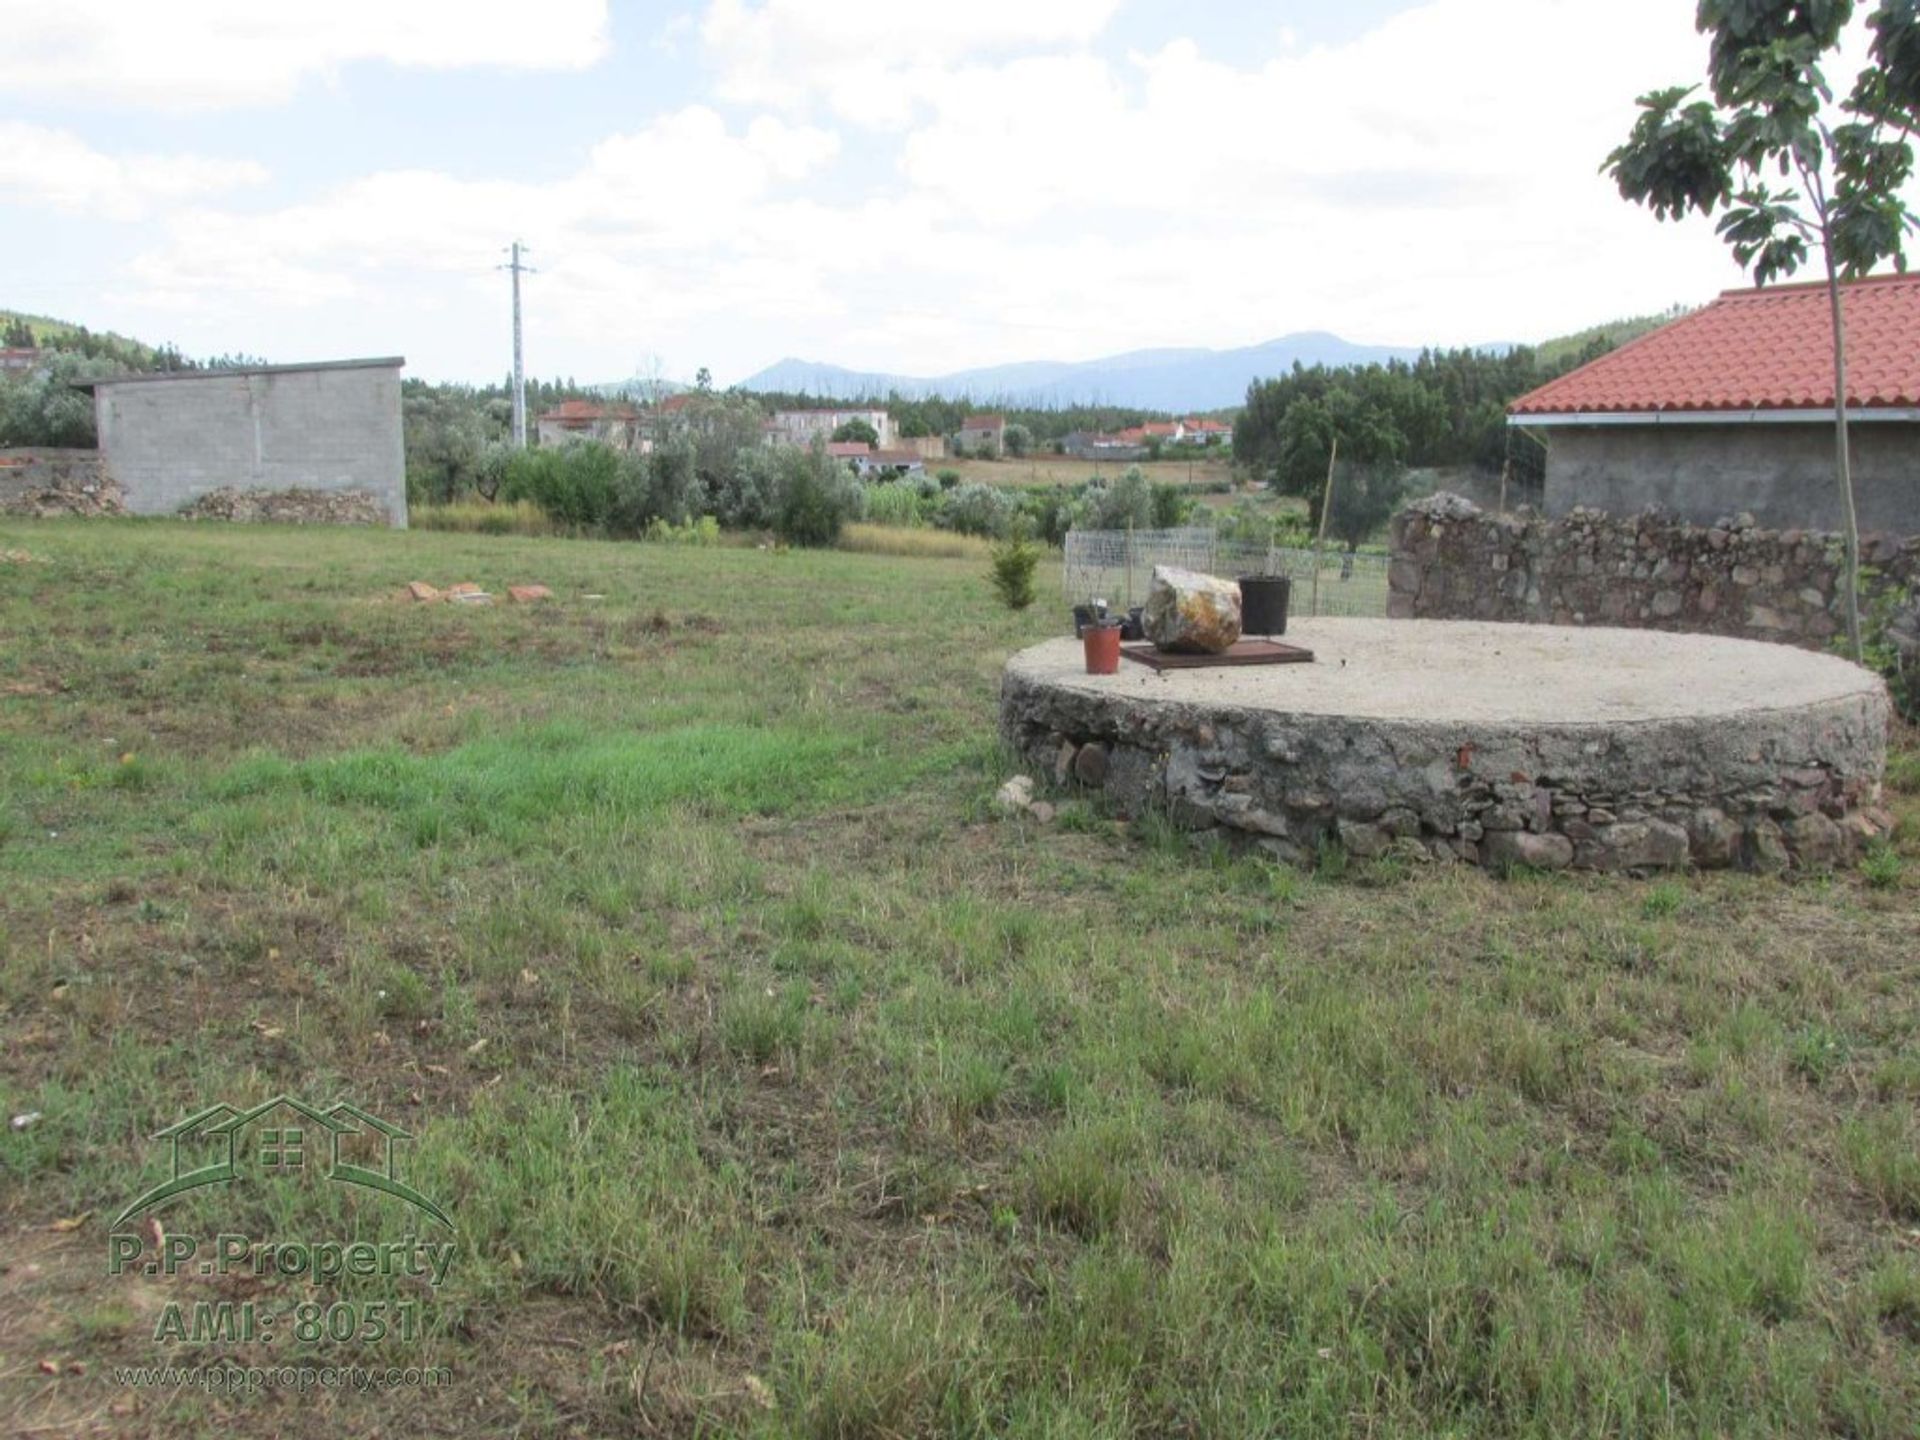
(884, 184)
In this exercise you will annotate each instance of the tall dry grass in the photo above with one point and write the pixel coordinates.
(482, 517)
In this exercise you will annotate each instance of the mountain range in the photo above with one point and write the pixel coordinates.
(1165, 380)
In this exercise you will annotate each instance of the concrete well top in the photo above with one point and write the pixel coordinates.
(1444, 670)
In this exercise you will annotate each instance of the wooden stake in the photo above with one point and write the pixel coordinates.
(1326, 511)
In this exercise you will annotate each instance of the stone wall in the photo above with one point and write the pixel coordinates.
(289, 507)
(47, 481)
(1761, 788)
(176, 439)
(1453, 561)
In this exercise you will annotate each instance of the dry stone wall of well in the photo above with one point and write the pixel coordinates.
(1762, 785)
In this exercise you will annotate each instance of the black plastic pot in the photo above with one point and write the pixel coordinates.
(1083, 616)
(1134, 627)
(1263, 604)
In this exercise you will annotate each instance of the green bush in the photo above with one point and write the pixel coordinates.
(1892, 609)
(1051, 511)
(1011, 572)
(894, 502)
(978, 510)
(578, 486)
(745, 496)
(702, 532)
(1249, 524)
(816, 497)
(1123, 504)
(590, 487)
(1170, 507)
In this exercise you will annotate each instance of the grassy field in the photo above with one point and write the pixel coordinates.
(777, 1087)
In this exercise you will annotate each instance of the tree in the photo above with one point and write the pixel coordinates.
(447, 432)
(46, 409)
(1018, 439)
(1364, 498)
(1772, 111)
(814, 497)
(857, 432)
(1367, 434)
(703, 379)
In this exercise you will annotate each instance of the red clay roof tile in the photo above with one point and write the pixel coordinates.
(1768, 349)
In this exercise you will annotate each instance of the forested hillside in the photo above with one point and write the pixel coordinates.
(1446, 408)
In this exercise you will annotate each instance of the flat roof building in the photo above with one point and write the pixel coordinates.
(332, 426)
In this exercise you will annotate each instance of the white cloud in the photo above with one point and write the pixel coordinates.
(868, 59)
(209, 54)
(1434, 180)
(59, 170)
(672, 216)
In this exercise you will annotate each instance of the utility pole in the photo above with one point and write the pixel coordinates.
(519, 369)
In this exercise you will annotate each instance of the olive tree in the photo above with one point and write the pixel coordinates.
(1789, 165)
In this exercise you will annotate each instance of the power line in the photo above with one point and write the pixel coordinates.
(519, 368)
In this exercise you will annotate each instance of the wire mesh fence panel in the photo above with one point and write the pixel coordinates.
(1344, 584)
(1116, 566)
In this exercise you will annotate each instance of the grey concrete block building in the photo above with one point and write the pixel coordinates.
(169, 439)
(1731, 410)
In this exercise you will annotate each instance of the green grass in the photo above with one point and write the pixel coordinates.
(775, 1088)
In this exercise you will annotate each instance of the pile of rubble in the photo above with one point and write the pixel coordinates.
(468, 593)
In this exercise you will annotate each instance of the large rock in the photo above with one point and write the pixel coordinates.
(1191, 613)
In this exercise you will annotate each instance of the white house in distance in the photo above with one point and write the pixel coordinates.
(867, 461)
(803, 427)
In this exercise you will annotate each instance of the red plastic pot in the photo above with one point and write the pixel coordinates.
(1102, 644)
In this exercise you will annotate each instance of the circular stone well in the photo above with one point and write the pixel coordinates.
(1496, 744)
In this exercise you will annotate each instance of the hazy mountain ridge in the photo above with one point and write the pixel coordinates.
(1160, 379)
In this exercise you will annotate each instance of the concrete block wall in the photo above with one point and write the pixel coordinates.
(1782, 475)
(173, 440)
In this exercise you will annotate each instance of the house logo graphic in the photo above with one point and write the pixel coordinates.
(283, 1137)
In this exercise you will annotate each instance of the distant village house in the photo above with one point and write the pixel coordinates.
(573, 421)
(873, 462)
(982, 434)
(1135, 442)
(803, 427)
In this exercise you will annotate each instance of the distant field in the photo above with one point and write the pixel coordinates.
(778, 1087)
(1063, 470)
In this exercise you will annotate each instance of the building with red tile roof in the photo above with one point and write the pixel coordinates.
(613, 424)
(1731, 410)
